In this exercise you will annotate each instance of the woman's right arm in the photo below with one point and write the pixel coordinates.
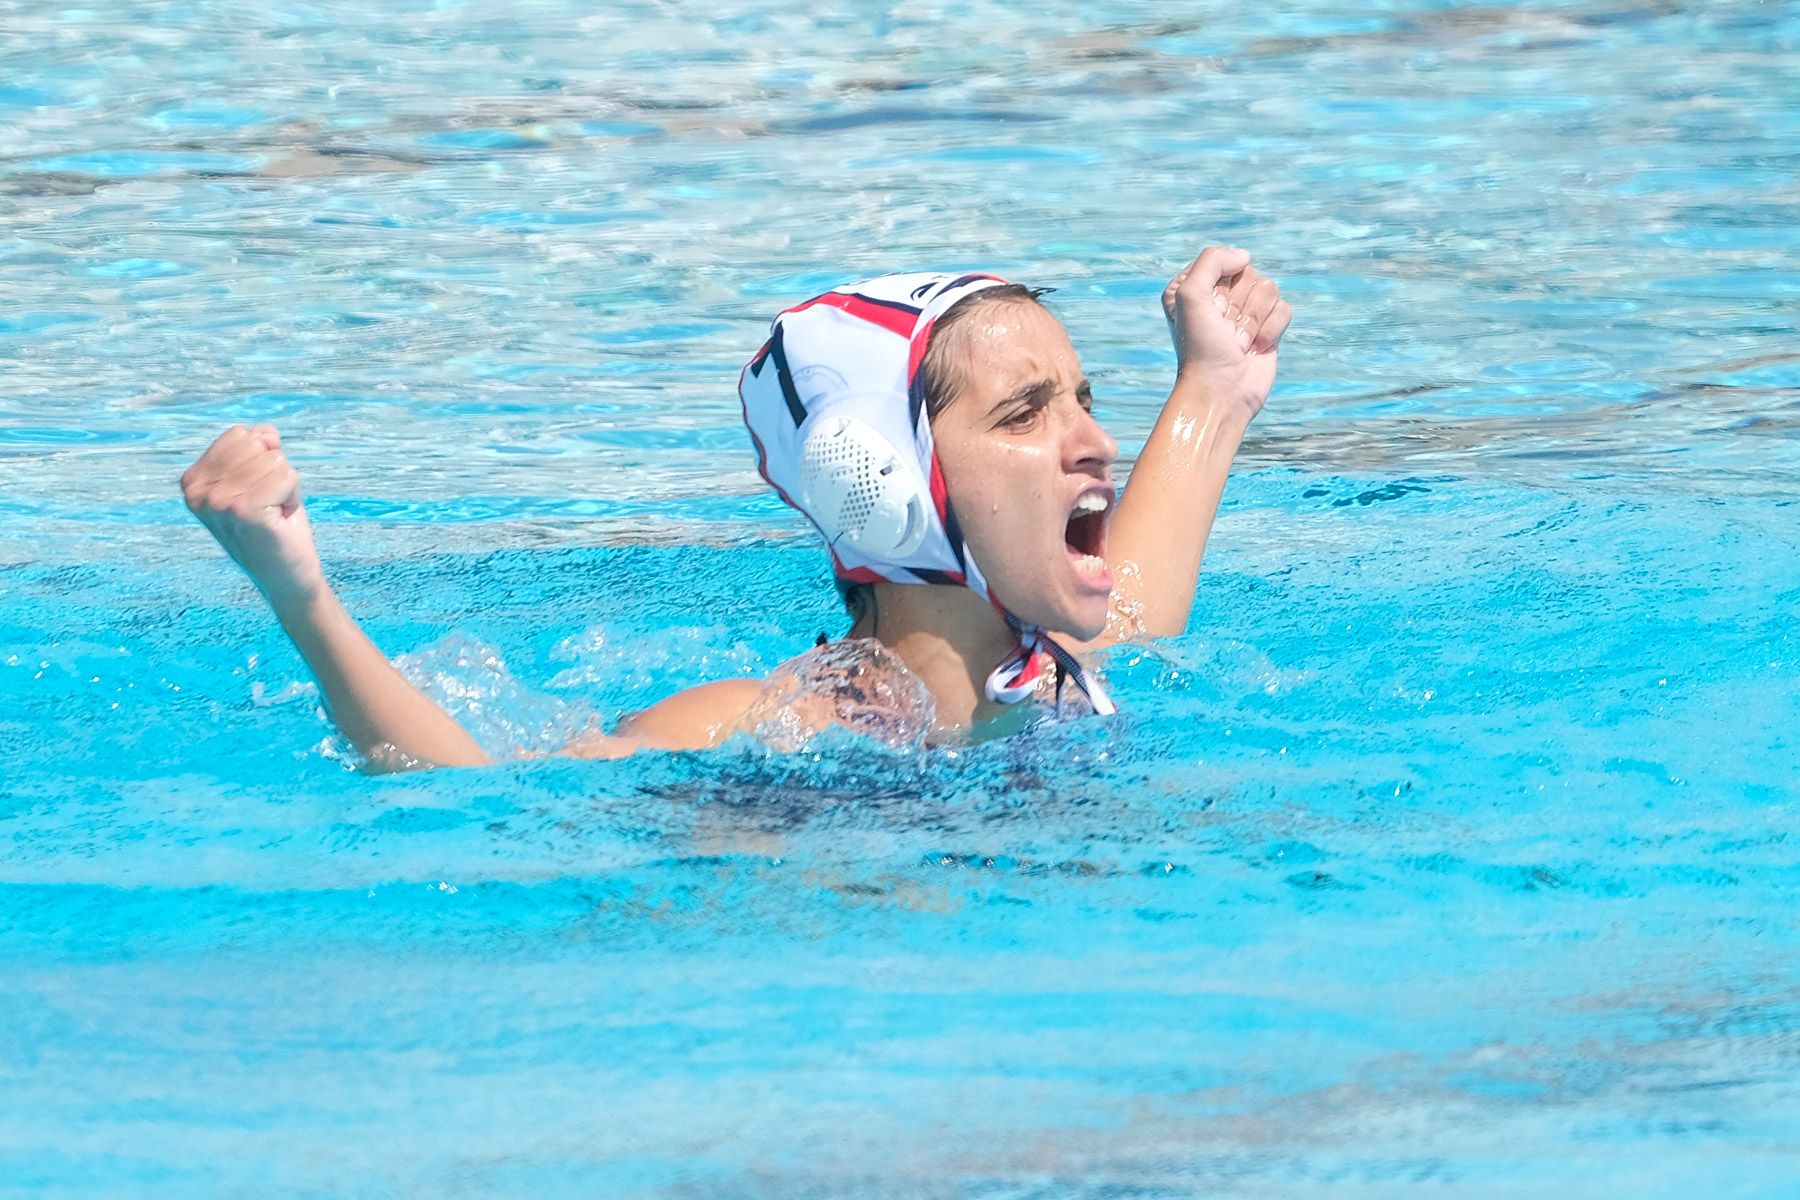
(245, 492)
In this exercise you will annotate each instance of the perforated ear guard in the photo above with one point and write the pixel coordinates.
(862, 490)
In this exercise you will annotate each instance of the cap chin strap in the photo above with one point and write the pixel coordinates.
(1016, 678)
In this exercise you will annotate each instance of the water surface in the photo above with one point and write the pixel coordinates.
(1449, 852)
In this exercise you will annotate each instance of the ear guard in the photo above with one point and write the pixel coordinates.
(862, 490)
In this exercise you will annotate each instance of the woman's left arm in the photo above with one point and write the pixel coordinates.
(1226, 320)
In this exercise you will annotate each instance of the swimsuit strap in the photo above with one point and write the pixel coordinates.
(1017, 676)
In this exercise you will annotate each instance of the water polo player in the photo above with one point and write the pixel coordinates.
(937, 431)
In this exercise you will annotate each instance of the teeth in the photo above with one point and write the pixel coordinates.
(1092, 502)
(1089, 564)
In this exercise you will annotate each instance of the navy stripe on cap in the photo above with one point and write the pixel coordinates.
(777, 352)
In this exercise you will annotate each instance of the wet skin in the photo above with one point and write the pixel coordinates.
(1021, 456)
(1019, 448)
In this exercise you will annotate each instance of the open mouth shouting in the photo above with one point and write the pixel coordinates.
(1084, 538)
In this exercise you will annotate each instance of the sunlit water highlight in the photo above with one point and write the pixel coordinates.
(1450, 852)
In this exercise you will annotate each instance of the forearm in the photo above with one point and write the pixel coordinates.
(1167, 512)
(370, 701)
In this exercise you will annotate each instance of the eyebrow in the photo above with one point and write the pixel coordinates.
(1037, 393)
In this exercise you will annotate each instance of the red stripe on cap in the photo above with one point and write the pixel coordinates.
(854, 574)
(893, 320)
(940, 491)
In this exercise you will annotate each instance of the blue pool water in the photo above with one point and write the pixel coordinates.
(1450, 852)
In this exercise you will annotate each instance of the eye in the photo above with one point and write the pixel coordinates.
(1084, 396)
(1022, 418)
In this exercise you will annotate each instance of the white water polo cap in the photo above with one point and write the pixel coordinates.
(835, 404)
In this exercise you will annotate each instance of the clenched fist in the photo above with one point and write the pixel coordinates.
(1227, 320)
(245, 492)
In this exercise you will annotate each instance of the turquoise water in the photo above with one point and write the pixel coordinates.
(1450, 852)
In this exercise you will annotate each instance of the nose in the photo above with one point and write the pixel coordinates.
(1090, 449)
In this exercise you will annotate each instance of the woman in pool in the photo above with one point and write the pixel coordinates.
(936, 428)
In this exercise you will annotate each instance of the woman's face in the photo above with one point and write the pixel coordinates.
(1028, 470)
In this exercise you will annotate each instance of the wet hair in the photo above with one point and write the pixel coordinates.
(940, 375)
(859, 602)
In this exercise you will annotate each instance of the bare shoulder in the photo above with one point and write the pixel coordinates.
(856, 683)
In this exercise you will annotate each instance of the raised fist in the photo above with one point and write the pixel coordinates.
(245, 492)
(1226, 320)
